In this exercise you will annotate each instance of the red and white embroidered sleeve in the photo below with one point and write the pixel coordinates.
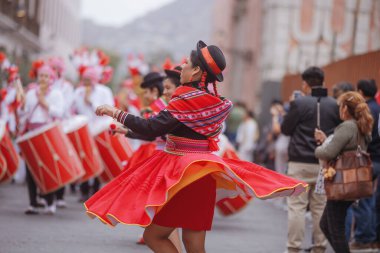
(121, 117)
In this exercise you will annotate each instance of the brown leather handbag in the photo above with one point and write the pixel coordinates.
(353, 178)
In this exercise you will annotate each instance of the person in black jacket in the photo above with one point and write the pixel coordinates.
(300, 124)
(364, 213)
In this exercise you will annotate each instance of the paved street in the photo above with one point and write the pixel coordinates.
(262, 227)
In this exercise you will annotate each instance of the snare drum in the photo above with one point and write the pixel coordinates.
(114, 149)
(76, 128)
(9, 154)
(51, 157)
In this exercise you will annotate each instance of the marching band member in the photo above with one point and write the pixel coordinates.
(60, 83)
(87, 98)
(42, 105)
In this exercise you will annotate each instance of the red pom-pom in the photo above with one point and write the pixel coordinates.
(35, 66)
(167, 64)
(81, 70)
(113, 126)
(2, 57)
(134, 71)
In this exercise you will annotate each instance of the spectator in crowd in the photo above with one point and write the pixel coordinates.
(300, 123)
(357, 121)
(264, 151)
(247, 136)
(233, 121)
(281, 142)
(342, 87)
(364, 213)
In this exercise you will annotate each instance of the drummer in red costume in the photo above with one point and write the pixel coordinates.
(178, 186)
(42, 105)
(88, 96)
(67, 89)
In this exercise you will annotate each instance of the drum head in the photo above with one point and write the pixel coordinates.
(74, 123)
(36, 132)
(100, 125)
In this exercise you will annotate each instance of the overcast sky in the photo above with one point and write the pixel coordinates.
(118, 12)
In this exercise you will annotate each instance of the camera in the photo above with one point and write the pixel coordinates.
(297, 94)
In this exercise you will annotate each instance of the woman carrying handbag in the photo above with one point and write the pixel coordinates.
(348, 172)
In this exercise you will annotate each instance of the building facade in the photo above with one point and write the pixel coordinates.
(265, 40)
(38, 28)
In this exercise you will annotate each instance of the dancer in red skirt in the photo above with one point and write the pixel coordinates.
(177, 187)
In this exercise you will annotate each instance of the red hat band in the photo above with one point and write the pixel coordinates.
(210, 61)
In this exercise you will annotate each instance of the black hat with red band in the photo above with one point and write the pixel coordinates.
(152, 79)
(212, 60)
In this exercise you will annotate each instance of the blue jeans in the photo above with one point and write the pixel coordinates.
(366, 222)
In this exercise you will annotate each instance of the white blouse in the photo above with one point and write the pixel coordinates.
(35, 113)
(100, 95)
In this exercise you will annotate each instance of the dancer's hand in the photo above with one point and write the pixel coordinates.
(105, 110)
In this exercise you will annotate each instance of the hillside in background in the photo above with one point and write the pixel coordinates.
(172, 30)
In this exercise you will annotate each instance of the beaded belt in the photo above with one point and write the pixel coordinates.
(180, 145)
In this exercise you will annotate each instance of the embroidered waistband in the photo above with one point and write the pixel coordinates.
(180, 145)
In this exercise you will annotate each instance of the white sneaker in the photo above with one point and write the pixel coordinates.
(61, 203)
(50, 210)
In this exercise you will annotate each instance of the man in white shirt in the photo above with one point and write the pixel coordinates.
(88, 96)
(91, 94)
(42, 105)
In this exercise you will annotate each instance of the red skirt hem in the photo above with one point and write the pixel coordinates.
(138, 195)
